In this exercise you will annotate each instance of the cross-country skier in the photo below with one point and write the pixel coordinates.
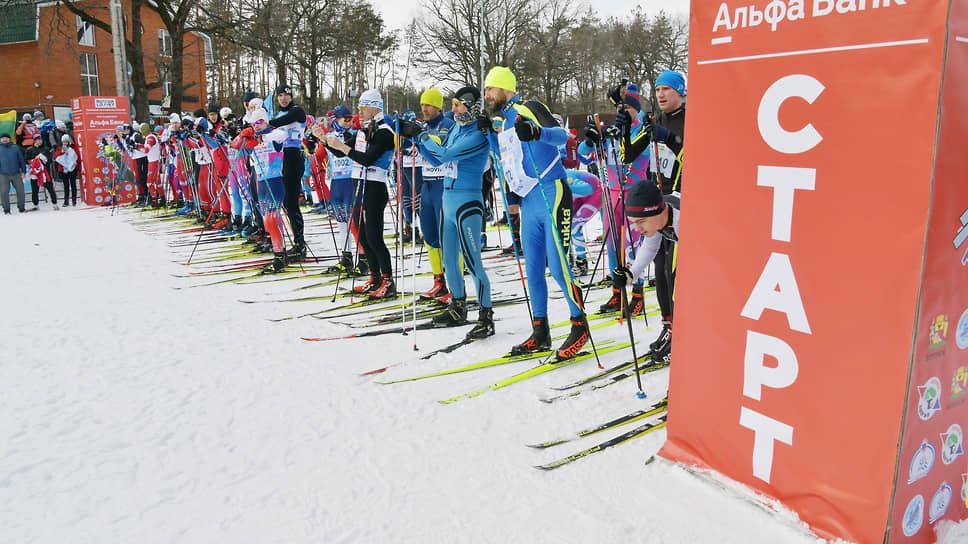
(437, 127)
(371, 149)
(292, 119)
(461, 157)
(656, 217)
(528, 147)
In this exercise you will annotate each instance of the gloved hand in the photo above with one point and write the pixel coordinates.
(248, 132)
(623, 118)
(612, 131)
(410, 129)
(615, 93)
(484, 124)
(621, 276)
(527, 131)
(657, 133)
(592, 135)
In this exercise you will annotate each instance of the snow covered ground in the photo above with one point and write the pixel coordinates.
(131, 411)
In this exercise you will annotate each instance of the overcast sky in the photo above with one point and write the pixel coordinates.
(398, 12)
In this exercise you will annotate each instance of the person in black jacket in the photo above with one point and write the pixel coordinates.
(667, 132)
(292, 119)
(371, 149)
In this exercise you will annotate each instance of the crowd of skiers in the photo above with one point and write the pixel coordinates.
(243, 172)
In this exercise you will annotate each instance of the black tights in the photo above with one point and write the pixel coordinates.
(369, 219)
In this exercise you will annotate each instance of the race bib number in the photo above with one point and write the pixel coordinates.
(513, 158)
(446, 170)
(665, 160)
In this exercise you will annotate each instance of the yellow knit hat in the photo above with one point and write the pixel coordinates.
(502, 78)
(432, 97)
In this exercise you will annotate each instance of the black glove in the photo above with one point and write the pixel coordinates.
(612, 131)
(615, 93)
(657, 133)
(484, 124)
(621, 276)
(410, 129)
(527, 131)
(592, 135)
(623, 119)
(311, 144)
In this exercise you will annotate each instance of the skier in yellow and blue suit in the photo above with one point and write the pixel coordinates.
(528, 146)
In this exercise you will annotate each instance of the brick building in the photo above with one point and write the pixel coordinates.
(49, 56)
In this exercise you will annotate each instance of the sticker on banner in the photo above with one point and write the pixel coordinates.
(105, 103)
(939, 332)
(930, 401)
(913, 516)
(961, 334)
(952, 444)
(961, 236)
(922, 462)
(940, 503)
(964, 488)
(959, 383)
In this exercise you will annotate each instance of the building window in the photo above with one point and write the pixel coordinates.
(89, 82)
(164, 43)
(85, 33)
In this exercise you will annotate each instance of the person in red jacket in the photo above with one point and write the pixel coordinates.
(39, 177)
(152, 150)
(27, 132)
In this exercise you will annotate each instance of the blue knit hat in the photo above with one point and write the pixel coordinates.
(672, 79)
(632, 90)
(341, 111)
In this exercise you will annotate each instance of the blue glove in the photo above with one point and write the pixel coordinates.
(658, 133)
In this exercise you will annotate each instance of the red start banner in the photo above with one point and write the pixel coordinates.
(824, 259)
(105, 171)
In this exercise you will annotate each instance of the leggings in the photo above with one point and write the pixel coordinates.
(412, 185)
(292, 172)
(270, 192)
(665, 277)
(69, 179)
(461, 237)
(369, 220)
(546, 220)
(35, 192)
(430, 207)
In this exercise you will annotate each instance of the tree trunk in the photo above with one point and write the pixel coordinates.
(135, 54)
(177, 67)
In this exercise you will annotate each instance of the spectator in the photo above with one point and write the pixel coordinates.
(27, 132)
(12, 171)
(66, 159)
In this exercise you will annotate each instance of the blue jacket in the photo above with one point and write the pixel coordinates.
(542, 153)
(11, 160)
(468, 147)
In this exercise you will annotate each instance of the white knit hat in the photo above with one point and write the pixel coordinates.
(371, 98)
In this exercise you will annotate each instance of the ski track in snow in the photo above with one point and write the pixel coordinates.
(133, 412)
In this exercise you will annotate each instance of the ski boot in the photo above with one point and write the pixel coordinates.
(439, 288)
(277, 264)
(614, 304)
(185, 210)
(540, 339)
(362, 267)
(484, 326)
(222, 222)
(368, 286)
(581, 266)
(661, 349)
(455, 314)
(386, 289)
(407, 235)
(297, 253)
(344, 266)
(636, 304)
(576, 339)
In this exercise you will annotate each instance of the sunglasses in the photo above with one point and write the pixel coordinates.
(347, 118)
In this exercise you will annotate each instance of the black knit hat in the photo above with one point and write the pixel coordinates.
(249, 95)
(213, 108)
(5, 135)
(282, 88)
(644, 200)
